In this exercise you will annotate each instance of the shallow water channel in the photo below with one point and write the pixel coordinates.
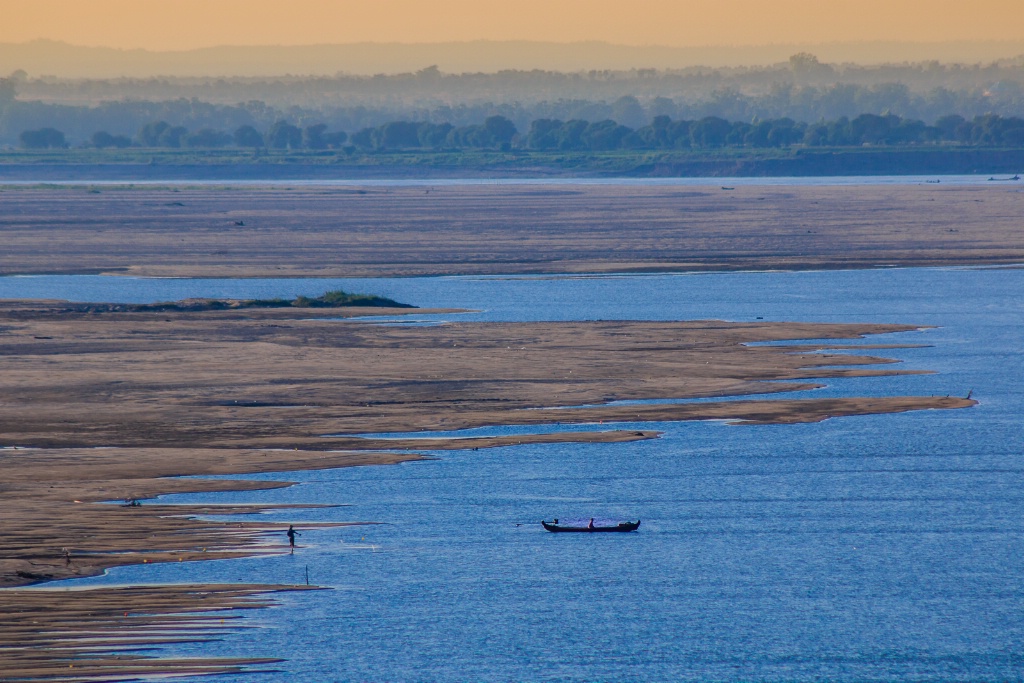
(866, 548)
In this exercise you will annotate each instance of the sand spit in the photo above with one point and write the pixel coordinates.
(110, 407)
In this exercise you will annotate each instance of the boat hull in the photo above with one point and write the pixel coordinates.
(625, 527)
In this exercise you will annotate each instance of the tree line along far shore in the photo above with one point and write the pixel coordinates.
(499, 133)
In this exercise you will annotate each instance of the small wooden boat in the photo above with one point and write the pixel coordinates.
(591, 527)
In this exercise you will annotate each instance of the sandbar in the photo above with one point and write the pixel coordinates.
(373, 231)
(117, 406)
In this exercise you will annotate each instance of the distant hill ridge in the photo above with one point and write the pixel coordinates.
(44, 57)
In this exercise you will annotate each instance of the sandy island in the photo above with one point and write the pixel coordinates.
(356, 231)
(101, 407)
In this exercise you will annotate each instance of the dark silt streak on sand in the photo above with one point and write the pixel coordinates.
(238, 231)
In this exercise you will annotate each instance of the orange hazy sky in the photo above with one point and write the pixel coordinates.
(185, 24)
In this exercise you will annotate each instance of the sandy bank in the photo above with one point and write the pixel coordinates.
(382, 231)
(104, 407)
(62, 635)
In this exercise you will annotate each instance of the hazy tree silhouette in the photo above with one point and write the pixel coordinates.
(44, 138)
(247, 136)
(284, 135)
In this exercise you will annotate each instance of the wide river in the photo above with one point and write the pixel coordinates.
(866, 548)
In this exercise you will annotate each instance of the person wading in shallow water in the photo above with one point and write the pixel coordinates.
(292, 533)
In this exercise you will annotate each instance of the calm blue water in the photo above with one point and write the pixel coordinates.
(870, 548)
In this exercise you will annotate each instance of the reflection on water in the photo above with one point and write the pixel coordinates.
(870, 548)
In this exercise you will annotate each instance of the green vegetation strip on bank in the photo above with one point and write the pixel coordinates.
(333, 299)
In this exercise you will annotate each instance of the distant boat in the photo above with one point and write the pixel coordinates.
(590, 527)
(1016, 177)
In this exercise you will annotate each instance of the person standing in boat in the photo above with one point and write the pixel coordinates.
(591, 525)
(292, 533)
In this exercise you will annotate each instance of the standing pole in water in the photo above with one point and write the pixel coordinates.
(307, 574)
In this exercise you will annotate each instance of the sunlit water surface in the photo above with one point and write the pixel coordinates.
(868, 548)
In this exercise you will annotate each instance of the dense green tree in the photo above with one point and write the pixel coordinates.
(816, 134)
(471, 137)
(544, 134)
(653, 136)
(660, 132)
(604, 135)
(985, 130)
(678, 134)
(1013, 136)
(909, 132)
(43, 138)
(710, 131)
(247, 136)
(283, 135)
(871, 129)
(757, 135)
(399, 135)
(495, 132)
(172, 136)
(500, 129)
(313, 136)
(149, 134)
(433, 135)
(829, 133)
(738, 134)
(161, 134)
(840, 132)
(101, 139)
(951, 127)
(784, 132)
(992, 130)
(570, 135)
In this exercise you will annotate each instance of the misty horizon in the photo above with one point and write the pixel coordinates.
(59, 59)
